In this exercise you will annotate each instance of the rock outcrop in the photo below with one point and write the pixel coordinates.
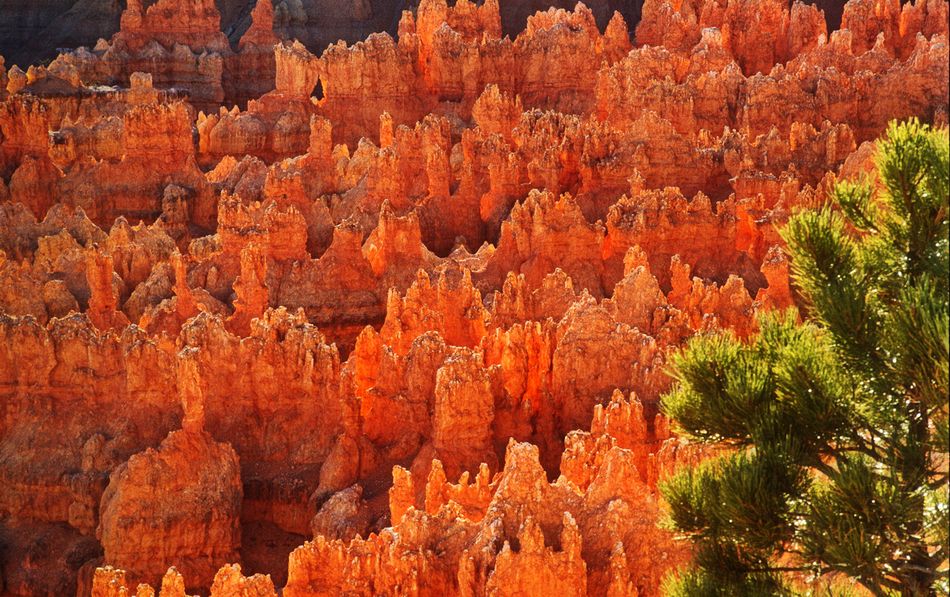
(178, 505)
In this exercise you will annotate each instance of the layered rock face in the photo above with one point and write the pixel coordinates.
(181, 45)
(32, 31)
(400, 324)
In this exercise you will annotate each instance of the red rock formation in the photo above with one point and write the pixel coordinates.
(261, 31)
(251, 290)
(103, 299)
(356, 277)
(190, 492)
(464, 409)
(546, 232)
(250, 72)
(479, 557)
(443, 54)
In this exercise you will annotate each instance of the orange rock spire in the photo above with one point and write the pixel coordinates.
(395, 316)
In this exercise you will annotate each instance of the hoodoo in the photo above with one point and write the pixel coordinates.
(378, 298)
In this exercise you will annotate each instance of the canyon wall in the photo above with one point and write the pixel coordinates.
(31, 32)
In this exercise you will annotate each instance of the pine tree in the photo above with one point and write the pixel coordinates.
(834, 431)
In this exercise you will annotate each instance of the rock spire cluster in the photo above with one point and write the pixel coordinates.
(394, 318)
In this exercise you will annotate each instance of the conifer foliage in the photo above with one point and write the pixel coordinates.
(833, 431)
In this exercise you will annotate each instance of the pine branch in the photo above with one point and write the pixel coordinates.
(835, 423)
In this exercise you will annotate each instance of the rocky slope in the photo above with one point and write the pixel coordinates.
(394, 318)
